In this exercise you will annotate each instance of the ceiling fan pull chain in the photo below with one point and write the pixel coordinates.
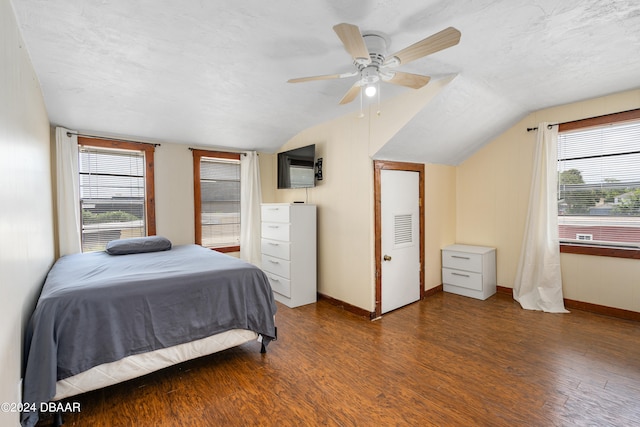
(379, 87)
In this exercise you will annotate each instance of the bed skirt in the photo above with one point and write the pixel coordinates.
(142, 364)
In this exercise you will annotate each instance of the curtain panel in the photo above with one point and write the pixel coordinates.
(538, 284)
(250, 201)
(67, 192)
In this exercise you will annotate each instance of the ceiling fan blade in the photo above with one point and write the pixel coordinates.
(324, 77)
(353, 42)
(351, 94)
(437, 42)
(415, 81)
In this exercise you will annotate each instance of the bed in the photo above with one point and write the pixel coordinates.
(104, 318)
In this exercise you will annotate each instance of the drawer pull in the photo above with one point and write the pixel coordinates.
(274, 226)
(274, 262)
(460, 257)
(459, 274)
(274, 244)
(274, 209)
(274, 279)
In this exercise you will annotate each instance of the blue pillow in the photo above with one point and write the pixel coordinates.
(138, 245)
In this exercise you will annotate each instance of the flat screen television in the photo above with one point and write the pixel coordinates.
(296, 168)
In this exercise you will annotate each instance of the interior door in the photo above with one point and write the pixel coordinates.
(400, 238)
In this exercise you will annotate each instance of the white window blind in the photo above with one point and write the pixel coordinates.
(220, 202)
(112, 195)
(599, 185)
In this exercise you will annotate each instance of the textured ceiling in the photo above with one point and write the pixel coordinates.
(213, 73)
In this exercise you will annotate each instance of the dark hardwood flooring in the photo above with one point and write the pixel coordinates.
(446, 360)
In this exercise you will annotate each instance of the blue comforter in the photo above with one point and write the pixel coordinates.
(97, 308)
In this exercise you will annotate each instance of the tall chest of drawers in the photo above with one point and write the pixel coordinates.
(289, 251)
(469, 270)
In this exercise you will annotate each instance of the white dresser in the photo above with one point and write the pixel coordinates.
(289, 251)
(469, 270)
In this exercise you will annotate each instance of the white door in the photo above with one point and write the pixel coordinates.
(400, 223)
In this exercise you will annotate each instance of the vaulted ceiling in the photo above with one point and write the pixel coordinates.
(214, 73)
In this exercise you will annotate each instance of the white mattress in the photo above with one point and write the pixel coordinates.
(141, 364)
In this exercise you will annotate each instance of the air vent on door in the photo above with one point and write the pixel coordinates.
(402, 229)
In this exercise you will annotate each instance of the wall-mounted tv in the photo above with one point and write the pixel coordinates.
(296, 168)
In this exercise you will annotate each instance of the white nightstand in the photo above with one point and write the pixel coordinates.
(469, 270)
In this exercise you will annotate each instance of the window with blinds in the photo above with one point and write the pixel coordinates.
(116, 191)
(217, 184)
(599, 185)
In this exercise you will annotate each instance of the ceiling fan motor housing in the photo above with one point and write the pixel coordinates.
(377, 45)
(369, 75)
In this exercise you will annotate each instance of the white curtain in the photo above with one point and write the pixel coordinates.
(250, 200)
(67, 192)
(538, 284)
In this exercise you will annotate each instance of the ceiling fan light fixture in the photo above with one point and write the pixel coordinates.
(370, 90)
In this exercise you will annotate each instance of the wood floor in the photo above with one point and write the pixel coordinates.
(447, 360)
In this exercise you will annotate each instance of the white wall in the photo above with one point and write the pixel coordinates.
(26, 214)
(492, 197)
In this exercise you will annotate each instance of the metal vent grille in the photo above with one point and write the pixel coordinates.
(402, 230)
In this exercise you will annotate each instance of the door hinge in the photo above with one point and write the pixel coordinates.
(420, 202)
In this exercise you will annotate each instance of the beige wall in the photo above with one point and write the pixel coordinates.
(346, 265)
(174, 193)
(344, 199)
(492, 197)
(345, 208)
(175, 215)
(440, 218)
(26, 213)
(267, 164)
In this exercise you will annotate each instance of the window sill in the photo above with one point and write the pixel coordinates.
(568, 248)
(227, 249)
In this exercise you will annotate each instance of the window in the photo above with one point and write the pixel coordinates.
(116, 191)
(599, 185)
(217, 199)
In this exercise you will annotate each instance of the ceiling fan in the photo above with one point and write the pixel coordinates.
(369, 53)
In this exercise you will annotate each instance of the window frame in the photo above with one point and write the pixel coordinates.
(585, 248)
(197, 192)
(149, 178)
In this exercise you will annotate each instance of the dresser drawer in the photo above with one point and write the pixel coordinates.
(275, 231)
(464, 279)
(278, 266)
(279, 284)
(276, 248)
(462, 261)
(275, 213)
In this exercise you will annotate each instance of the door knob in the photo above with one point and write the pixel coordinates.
(386, 258)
